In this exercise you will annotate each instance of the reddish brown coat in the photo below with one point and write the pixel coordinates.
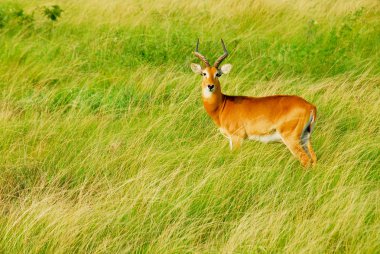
(242, 117)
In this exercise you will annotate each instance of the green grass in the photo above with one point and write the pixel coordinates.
(105, 146)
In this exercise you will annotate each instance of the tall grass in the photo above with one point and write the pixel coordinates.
(105, 146)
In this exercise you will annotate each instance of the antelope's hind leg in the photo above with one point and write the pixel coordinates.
(295, 140)
(295, 147)
(306, 143)
(312, 153)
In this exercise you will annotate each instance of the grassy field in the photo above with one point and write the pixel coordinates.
(105, 146)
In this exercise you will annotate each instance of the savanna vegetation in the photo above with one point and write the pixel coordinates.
(105, 146)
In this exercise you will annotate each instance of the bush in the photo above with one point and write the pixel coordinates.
(52, 12)
(11, 14)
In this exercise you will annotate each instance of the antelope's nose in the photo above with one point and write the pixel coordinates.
(210, 87)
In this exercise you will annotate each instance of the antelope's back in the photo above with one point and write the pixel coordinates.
(264, 112)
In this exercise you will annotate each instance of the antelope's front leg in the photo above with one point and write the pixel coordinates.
(235, 142)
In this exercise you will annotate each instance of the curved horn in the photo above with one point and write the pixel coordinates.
(222, 57)
(200, 56)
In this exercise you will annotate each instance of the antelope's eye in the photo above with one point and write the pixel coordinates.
(218, 74)
(203, 74)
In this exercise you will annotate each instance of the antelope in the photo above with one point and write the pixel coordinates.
(278, 118)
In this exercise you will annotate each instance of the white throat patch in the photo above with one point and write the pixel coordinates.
(207, 93)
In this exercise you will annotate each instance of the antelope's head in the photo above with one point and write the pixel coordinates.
(211, 74)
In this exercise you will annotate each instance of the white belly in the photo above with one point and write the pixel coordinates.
(275, 137)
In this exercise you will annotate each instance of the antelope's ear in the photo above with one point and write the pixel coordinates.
(196, 68)
(226, 68)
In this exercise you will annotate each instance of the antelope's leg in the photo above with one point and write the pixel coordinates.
(293, 137)
(311, 152)
(235, 142)
(295, 147)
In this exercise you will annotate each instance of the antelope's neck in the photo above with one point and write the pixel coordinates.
(214, 105)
